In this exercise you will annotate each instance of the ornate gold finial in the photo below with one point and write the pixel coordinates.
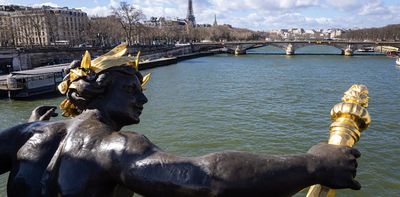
(357, 94)
(88, 67)
(349, 119)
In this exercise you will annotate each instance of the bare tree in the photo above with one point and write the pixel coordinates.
(389, 33)
(6, 31)
(51, 25)
(36, 19)
(130, 18)
(104, 31)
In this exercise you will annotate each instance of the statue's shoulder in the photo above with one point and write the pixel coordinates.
(132, 135)
(132, 141)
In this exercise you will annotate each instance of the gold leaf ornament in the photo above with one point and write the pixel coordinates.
(134, 63)
(137, 61)
(63, 87)
(86, 61)
(68, 108)
(113, 58)
(76, 73)
(146, 79)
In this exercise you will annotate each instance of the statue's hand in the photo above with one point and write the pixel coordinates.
(335, 166)
(42, 113)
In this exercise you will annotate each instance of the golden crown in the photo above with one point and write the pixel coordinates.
(113, 58)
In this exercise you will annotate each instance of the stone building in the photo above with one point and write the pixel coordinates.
(163, 22)
(46, 25)
(336, 33)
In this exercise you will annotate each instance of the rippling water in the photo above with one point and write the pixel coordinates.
(270, 104)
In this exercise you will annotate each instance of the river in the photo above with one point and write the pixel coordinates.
(267, 104)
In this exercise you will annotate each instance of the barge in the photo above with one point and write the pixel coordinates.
(27, 83)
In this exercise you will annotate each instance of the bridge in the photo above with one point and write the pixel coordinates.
(290, 47)
(14, 59)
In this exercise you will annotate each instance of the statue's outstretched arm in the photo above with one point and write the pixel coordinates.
(13, 138)
(157, 173)
(10, 141)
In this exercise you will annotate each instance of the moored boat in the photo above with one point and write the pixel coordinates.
(398, 61)
(22, 84)
(366, 49)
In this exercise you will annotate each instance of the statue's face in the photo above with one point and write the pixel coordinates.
(126, 99)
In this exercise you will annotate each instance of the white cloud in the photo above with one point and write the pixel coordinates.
(97, 11)
(100, 10)
(273, 5)
(345, 5)
(228, 5)
(113, 3)
(394, 12)
(323, 20)
(373, 8)
(45, 4)
(4, 2)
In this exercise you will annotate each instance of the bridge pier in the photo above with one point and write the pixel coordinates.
(348, 51)
(290, 50)
(239, 51)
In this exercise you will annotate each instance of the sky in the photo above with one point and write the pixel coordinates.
(262, 15)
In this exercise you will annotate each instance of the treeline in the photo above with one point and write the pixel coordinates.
(106, 31)
(126, 24)
(387, 33)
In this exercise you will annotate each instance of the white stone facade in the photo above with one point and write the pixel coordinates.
(46, 26)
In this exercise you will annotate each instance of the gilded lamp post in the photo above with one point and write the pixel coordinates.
(349, 119)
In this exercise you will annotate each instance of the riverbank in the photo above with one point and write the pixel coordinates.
(173, 60)
(43, 80)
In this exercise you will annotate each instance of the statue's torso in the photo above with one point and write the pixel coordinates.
(62, 159)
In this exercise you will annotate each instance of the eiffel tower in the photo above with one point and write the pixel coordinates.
(190, 19)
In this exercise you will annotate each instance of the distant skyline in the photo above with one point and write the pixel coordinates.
(263, 15)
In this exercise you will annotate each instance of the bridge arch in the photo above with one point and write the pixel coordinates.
(324, 48)
(346, 47)
(267, 49)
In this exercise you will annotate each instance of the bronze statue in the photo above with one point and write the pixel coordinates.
(89, 155)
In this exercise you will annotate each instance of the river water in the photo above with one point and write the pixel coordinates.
(267, 104)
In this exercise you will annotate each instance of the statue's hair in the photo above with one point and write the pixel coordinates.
(84, 90)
